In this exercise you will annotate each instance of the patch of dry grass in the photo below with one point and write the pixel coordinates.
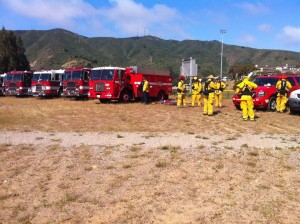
(61, 114)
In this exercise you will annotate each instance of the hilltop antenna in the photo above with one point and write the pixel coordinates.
(137, 30)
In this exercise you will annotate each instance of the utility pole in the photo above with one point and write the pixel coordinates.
(221, 74)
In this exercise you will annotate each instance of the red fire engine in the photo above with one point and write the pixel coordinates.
(47, 83)
(115, 83)
(2, 80)
(18, 83)
(76, 82)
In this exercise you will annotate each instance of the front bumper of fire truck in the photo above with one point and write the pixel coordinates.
(78, 92)
(44, 91)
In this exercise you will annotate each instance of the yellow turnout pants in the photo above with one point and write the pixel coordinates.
(247, 107)
(196, 98)
(219, 100)
(181, 100)
(281, 101)
(209, 104)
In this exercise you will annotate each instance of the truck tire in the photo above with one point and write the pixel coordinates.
(292, 111)
(238, 107)
(161, 95)
(272, 104)
(104, 101)
(126, 96)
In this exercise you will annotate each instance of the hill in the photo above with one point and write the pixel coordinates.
(58, 48)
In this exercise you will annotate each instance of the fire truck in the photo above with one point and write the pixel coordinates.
(116, 83)
(18, 83)
(2, 81)
(47, 83)
(76, 82)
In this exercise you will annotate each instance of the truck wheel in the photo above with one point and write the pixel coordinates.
(161, 96)
(126, 97)
(272, 104)
(292, 111)
(104, 100)
(238, 107)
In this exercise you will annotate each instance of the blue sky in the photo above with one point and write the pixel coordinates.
(262, 24)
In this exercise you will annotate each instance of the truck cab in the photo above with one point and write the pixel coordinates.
(2, 82)
(18, 83)
(110, 83)
(76, 82)
(47, 83)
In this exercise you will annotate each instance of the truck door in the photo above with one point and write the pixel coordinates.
(119, 82)
(293, 83)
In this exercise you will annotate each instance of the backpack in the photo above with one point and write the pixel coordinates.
(206, 91)
(282, 90)
(140, 87)
(283, 84)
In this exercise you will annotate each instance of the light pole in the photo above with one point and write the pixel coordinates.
(221, 74)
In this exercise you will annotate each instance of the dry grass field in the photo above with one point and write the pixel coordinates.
(68, 161)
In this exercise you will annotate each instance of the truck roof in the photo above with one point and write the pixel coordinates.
(108, 67)
(76, 69)
(150, 71)
(50, 71)
(20, 72)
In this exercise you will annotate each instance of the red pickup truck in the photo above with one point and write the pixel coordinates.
(265, 93)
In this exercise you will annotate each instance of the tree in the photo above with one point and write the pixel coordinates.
(12, 52)
(241, 70)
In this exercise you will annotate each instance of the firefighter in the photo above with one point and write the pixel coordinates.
(200, 84)
(244, 91)
(181, 92)
(220, 86)
(196, 91)
(283, 86)
(209, 95)
(145, 93)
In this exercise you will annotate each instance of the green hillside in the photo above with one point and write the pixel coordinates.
(58, 48)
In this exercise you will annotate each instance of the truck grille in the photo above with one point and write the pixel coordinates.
(71, 85)
(12, 86)
(99, 87)
(38, 87)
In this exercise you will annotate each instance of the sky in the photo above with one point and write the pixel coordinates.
(261, 24)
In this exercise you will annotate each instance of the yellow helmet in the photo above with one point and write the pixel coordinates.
(195, 78)
(210, 77)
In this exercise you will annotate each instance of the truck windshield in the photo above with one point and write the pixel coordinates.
(36, 77)
(18, 77)
(41, 76)
(9, 77)
(102, 74)
(265, 81)
(75, 75)
(45, 76)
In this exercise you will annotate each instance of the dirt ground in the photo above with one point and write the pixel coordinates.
(70, 161)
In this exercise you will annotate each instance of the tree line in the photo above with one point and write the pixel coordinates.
(12, 53)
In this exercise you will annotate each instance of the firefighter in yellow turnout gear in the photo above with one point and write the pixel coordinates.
(220, 86)
(283, 86)
(196, 92)
(209, 95)
(244, 91)
(181, 92)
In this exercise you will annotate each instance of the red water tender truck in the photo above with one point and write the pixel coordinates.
(18, 83)
(115, 83)
(76, 82)
(47, 83)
